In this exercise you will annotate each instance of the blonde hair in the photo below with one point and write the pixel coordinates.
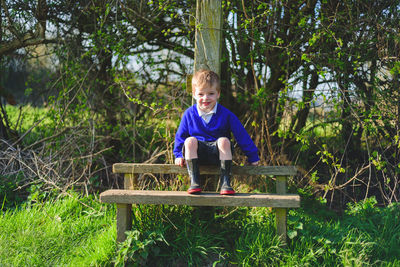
(204, 78)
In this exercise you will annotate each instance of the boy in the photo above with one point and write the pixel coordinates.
(203, 136)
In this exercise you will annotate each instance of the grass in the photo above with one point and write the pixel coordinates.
(80, 231)
(35, 122)
(65, 232)
(24, 117)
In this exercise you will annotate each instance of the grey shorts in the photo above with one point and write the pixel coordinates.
(208, 152)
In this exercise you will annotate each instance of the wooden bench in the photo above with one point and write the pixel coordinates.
(124, 198)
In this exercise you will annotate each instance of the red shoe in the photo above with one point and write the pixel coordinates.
(227, 192)
(194, 190)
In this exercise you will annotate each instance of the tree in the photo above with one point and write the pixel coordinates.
(22, 25)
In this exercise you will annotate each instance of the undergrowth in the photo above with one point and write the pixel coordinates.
(79, 231)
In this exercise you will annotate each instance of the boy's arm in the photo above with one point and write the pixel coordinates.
(244, 141)
(181, 134)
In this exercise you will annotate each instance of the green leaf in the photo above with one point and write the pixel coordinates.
(292, 234)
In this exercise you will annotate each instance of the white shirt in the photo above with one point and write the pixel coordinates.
(206, 116)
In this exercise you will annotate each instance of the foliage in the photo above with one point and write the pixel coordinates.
(136, 250)
(8, 186)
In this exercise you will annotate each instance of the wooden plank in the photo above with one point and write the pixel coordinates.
(203, 199)
(132, 168)
(208, 35)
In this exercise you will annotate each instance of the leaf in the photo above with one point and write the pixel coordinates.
(299, 226)
(292, 234)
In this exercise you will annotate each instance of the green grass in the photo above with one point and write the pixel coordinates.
(80, 231)
(66, 232)
(24, 117)
(36, 122)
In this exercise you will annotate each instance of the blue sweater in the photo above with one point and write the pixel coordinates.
(222, 124)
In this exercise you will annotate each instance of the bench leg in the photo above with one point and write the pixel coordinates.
(280, 215)
(124, 220)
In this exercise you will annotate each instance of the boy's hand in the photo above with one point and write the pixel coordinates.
(255, 163)
(180, 162)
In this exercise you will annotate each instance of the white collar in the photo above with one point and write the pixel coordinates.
(202, 113)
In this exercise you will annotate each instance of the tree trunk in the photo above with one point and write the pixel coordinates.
(4, 127)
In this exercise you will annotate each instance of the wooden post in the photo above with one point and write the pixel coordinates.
(280, 213)
(124, 220)
(207, 55)
(130, 181)
(124, 211)
(208, 35)
(207, 51)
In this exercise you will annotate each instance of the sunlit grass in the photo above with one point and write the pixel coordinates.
(22, 118)
(69, 230)
(80, 231)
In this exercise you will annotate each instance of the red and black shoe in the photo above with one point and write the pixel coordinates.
(194, 190)
(226, 189)
(194, 174)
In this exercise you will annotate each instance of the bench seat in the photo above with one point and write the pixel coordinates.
(203, 199)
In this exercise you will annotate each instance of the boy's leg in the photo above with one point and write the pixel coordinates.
(225, 156)
(191, 157)
(224, 148)
(191, 145)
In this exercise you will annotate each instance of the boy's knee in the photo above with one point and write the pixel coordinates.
(224, 143)
(191, 142)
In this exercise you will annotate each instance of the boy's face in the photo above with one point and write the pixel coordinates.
(206, 97)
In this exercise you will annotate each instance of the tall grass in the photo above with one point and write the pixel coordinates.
(80, 231)
(70, 231)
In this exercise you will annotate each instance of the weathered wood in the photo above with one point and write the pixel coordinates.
(208, 35)
(203, 199)
(130, 181)
(189, 84)
(131, 168)
(281, 184)
(124, 220)
(280, 214)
